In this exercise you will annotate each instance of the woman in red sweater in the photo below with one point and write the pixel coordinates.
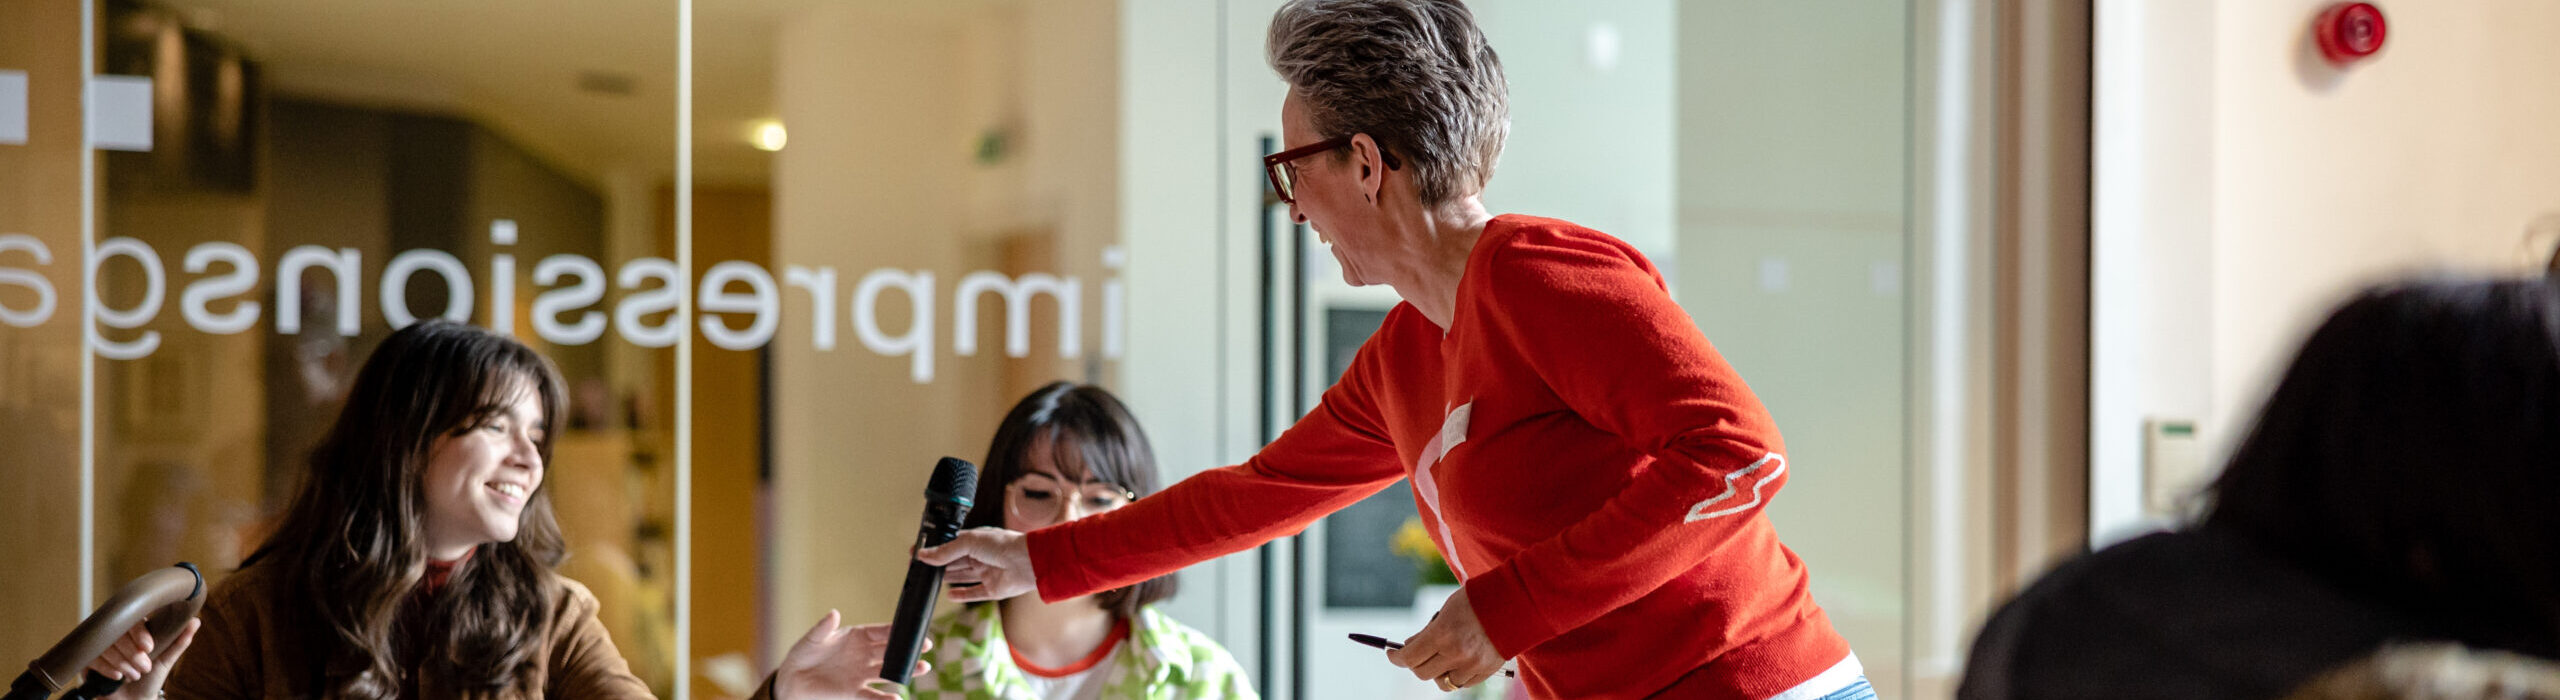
(1592, 469)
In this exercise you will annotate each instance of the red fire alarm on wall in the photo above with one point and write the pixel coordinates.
(2348, 32)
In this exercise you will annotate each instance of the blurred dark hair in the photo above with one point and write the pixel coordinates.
(1089, 435)
(351, 546)
(2411, 454)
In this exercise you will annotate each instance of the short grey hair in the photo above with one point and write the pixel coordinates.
(1416, 75)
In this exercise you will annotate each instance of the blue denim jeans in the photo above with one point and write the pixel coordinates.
(1856, 691)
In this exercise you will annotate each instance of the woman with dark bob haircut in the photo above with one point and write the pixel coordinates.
(2398, 486)
(1066, 452)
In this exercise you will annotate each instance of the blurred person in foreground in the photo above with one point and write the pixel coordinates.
(2398, 486)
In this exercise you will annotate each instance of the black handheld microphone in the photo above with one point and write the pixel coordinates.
(946, 503)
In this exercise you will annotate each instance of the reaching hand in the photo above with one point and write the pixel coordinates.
(1453, 650)
(835, 663)
(985, 564)
(131, 660)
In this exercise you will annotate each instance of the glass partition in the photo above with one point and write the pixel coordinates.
(41, 209)
(927, 216)
(299, 179)
(903, 216)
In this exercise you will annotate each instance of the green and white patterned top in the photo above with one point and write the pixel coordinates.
(1161, 660)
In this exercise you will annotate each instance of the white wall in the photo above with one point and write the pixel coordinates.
(1592, 91)
(2151, 240)
(1793, 159)
(2223, 245)
(1170, 172)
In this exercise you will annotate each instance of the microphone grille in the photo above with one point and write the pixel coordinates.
(953, 478)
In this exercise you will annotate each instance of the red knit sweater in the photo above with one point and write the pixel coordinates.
(1593, 470)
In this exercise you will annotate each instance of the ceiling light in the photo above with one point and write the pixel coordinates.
(769, 135)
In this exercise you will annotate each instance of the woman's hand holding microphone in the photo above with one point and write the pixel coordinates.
(984, 564)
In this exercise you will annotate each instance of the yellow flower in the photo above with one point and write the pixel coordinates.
(1414, 543)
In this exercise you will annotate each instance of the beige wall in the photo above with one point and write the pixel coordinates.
(2435, 154)
(886, 108)
(730, 223)
(2243, 188)
(840, 519)
(1792, 141)
(40, 366)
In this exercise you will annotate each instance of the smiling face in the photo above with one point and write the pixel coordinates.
(1329, 195)
(480, 475)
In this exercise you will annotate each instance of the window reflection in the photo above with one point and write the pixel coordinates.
(908, 214)
(312, 175)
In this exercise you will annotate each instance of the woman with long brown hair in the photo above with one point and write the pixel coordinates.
(417, 560)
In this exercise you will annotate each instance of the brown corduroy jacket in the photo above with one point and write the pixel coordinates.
(250, 648)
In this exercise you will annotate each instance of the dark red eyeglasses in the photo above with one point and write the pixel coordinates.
(1284, 173)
